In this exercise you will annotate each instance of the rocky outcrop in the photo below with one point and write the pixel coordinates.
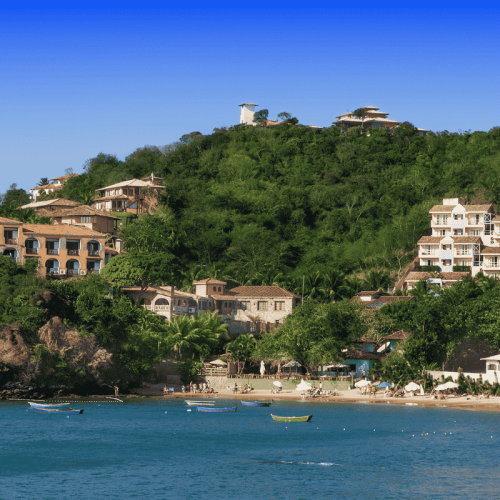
(14, 353)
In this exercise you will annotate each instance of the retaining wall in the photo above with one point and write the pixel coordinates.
(491, 376)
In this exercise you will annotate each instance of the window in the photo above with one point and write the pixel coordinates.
(441, 232)
(279, 306)
(458, 216)
(261, 306)
(98, 206)
(474, 232)
(215, 288)
(494, 261)
(85, 220)
(245, 305)
(458, 232)
(277, 322)
(220, 289)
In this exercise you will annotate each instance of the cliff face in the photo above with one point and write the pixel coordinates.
(14, 353)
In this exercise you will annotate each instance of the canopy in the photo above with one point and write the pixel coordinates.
(447, 385)
(291, 364)
(218, 362)
(384, 384)
(303, 386)
(277, 384)
(362, 383)
(412, 386)
(336, 365)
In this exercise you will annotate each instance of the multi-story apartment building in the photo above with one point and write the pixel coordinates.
(465, 240)
(133, 196)
(244, 308)
(50, 188)
(62, 249)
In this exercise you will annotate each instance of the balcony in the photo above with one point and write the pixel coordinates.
(428, 252)
(491, 264)
(440, 222)
(92, 271)
(73, 251)
(11, 241)
(463, 252)
(52, 251)
(93, 253)
(73, 272)
(475, 222)
(31, 251)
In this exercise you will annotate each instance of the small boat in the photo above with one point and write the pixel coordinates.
(306, 418)
(54, 406)
(64, 411)
(199, 403)
(256, 403)
(216, 409)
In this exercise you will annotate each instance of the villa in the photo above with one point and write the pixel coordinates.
(50, 188)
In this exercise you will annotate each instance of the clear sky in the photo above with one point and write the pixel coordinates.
(114, 76)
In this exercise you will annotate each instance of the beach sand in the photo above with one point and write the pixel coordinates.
(350, 396)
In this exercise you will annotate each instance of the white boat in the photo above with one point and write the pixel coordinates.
(199, 403)
(53, 406)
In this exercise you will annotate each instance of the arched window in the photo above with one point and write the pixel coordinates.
(31, 245)
(93, 248)
(10, 252)
(219, 289)
(52, 266)
(215, 288)
(73, 267)
(161, 305)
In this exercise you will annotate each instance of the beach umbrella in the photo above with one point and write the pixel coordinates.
(451, 385)
(384, 384)
(362, 383)
(218, 362)
(441, 387)
(303, 386)
(292, 364)
(412, 386)
(277, 384)
(262, 368)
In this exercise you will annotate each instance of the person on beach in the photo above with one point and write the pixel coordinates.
(320, 387)
(191, 386)
(116, 391)
(165, 390)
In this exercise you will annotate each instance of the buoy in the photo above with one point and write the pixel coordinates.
(189, 410)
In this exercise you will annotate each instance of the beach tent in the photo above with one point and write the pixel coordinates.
(277, 384)
(412, 386)
(290, 365)
(451, 385)
(384, 384)
(303, 386)
(362, 383)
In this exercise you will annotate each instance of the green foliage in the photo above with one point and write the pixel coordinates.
(188, 370)
(241, 349)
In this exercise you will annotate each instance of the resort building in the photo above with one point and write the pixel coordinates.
(63, 250)
(465, 240)
(245, 309)
(50, 188)
(373, 118)
(134, 196)
(44, 207)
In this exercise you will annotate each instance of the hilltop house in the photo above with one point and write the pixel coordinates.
(374, 118)
(63, 250)
(133, 196)
(245, 308)
(50, 188)
(42, 208)
(465, 240)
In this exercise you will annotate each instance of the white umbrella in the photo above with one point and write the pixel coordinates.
(218, 362)
(451, 385)
(262, 368)
(362, 383)
(303, 386)
(412, 386)
(278, 384)
(441, 387)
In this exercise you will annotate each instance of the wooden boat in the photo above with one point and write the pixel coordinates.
(256, 403)
(216, 409)
(199, 403)
(54, 406)
(64, 411)
(306, 418)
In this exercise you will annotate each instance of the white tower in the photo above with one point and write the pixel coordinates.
(247, 112)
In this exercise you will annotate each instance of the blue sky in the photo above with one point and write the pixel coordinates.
(114, 76)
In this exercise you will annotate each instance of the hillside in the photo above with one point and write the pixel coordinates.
(266, 205)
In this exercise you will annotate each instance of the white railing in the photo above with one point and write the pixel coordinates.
(161, 308)
(149, 308)
(491, 264)
(440, 222)
(426, 252)
(463, 252)
(474, 222)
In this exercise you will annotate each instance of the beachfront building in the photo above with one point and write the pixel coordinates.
(373, 118)
(60, 250)
(56, 185)
(245, 309)
(465, 240)
(135, 196)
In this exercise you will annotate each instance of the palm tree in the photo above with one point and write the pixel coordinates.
(333, 285)
(241, 350)
(421, 289)
(377, 280)
(352, 286)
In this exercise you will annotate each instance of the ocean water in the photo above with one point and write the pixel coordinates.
(158, 449)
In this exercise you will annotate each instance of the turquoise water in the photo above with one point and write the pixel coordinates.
(158, 449)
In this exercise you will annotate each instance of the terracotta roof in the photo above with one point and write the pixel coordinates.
(496, 218)
(366, 293)
(4, 220)
(111, 250)
(478, 208)
(62, 177)
(442, 208)
(131, 183)
(399, 335)
(228, 295)
(429, 239)
(466, 239)
(453, 276)
(60, 230)
(382, 301)
(81, 210)
(55, 202)
(358, 354)
(209, 280)
(46, 186)
(262, 291)
(490, 251)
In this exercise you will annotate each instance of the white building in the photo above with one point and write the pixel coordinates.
(247, 112)
(50, 188)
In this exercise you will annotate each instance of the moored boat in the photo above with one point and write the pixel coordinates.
(199, 403)
(256, 403)
(53, 406)
(305, 418)
(216, 409)
(52, 411)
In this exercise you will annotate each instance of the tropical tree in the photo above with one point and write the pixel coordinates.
(378, 280)
(260, 117)
(241, 350)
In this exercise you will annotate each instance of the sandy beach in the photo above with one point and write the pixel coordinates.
(352, 396)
